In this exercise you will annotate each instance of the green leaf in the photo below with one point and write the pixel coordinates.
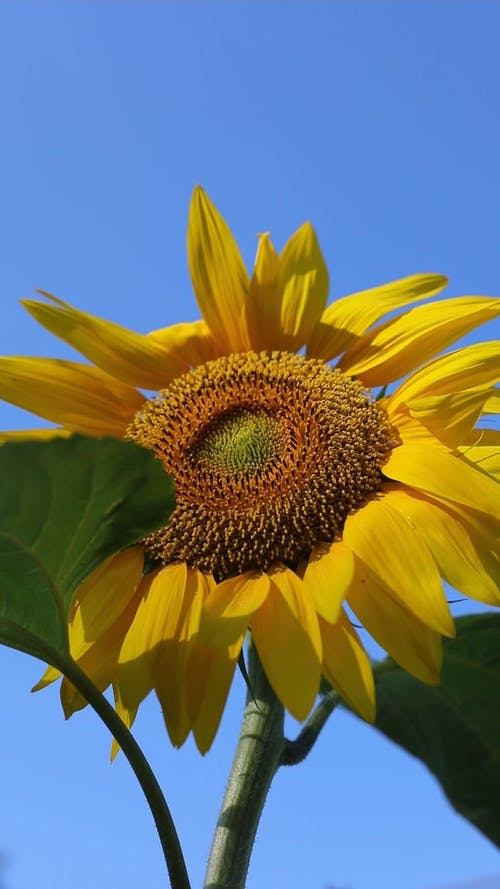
(454, 728)
(65, 506)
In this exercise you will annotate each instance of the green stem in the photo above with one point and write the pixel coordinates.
(255, 763)
(157, 803)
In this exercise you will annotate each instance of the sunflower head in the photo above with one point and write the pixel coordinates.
(270, 454)
(299, 490)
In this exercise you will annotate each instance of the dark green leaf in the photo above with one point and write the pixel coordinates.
(454, 728)
(66, 506)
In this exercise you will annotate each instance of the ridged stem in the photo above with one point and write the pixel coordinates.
(255, 763)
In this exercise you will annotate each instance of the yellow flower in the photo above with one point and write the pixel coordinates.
(298, 487)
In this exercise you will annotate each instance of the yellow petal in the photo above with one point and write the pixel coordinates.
(229, 606)
(102, 597)
(263, 303)
(386, 543)
(450, 545)
(485, 537)
(156, 649)
(33, 435)
(83, 399)
(135, 674)
(101, 613)
(492, 406)
(411, 430)
(71, 699)
(395, 348)
(484, 450)
(347, 666)
(50, 675)
(327, 576)
(171, 662)
(99, 662)
(189, 344)
(444, 476)
(469, 368)
(346, 319)
(416, 648)
(219, 277)
(304, 287)
(216, 666)
(450, 417)
(449, 393)
(135, 359)
(286, 634)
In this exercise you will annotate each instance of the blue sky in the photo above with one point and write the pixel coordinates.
(378, 122)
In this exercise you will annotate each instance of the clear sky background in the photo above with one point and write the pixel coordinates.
(378, 121)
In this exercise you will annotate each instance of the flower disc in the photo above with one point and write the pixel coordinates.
(270, 453)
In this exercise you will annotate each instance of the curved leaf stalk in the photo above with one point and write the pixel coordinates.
(157, 803)
(296, 751)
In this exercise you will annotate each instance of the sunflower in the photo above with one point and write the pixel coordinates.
(303, 487)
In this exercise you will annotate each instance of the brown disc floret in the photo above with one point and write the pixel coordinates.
(270, 453)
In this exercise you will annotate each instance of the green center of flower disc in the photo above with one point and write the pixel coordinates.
(241, 441)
